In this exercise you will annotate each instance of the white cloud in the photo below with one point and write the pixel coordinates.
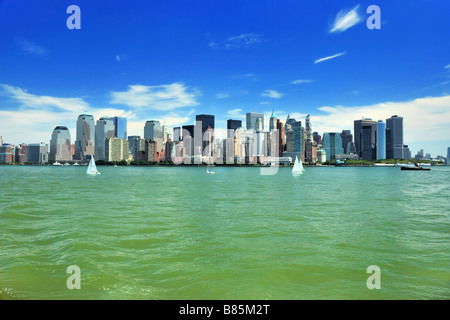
(34, 117)
(236, 113)
(330, 57)
(345, 20)
(301, 81)
(118, 58)
(447, 66)
(272, 94)
(30, 47)
(163, 97)
(239, 41)
(424, 119)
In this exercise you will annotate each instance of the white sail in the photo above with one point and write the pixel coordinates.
(298, 167)
(92, 168)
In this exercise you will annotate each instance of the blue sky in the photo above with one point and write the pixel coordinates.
(170, 60)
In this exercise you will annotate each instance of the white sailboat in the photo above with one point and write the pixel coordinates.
(298, 167)
(92, 168)
(208, 170)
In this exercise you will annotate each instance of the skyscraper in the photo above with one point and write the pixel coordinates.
(394, 139)
(84, 145)
(153, 132)
(448, 156)
(281, 143)
(103, 129)
(308, 128)
(381, 140)
(177, 134)
(60, 145)
(273, 121)
(367, 142)
(252, 117)
(358, 124)
(346, 137)
(332, 144)
(116, 149)
(120, 127)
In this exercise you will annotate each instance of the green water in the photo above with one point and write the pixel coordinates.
(179, 233)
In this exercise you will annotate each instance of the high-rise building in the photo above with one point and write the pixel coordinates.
(153, 132)
(7, 153)
(104, 128)
(346, 137)
(317, 138)
(120, 127)
(281, 141)
(251, 119)
(358, 124)
(332, 144)
(448, 156)
(367, 142)
(84, 145)
(60, 145)
(165, 132)
(308, 128)
(37, 153)
(381, 140)
(116, 149)
(176, 134)
(21, 153)
(395, 149)
(273, 121)
(206, 123)
(136, 144)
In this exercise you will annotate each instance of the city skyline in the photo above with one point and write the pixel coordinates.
(213, 58)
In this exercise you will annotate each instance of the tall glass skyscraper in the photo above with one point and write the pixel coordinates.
(84, 145)
(381, 140)
(60, 145)
(104, 129)
(120, 127)
(366, 142)
(153, 132)
(251, 119)
(394, 138)
(332, 144)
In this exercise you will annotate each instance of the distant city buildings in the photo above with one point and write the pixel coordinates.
(108, 140)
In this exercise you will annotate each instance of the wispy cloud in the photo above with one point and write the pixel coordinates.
(30, 47)
(236, 113)
(245, 75)
(222, 95)
(345, 20)
(447, 67)
(330, 57)
(163, 97)
(239, 41)
(272, 94)
(301, 81)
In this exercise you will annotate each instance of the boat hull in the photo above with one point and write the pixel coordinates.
(414, 169)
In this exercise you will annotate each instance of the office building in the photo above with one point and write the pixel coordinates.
(176, 136)
(346, 137)
(37, 153)
(85, 142)
(281, 141)
(317, 138)
(367, 142)
(120, 127)
(104, 129)
(448, 156)
(116, 149)
(21, 153)
(136, 144)
(272, 122)
(252, 119)
(7, 153)
(358, 124)
(153, 132)
(381, 140)
(395, 149)
(60, 145)
(332, 144)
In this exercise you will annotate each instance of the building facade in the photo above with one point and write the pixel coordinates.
(332, 145)
(85, 142)
(381, 140)
(60, 145)
(116, 150)
(104, 129)
(37, 153)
